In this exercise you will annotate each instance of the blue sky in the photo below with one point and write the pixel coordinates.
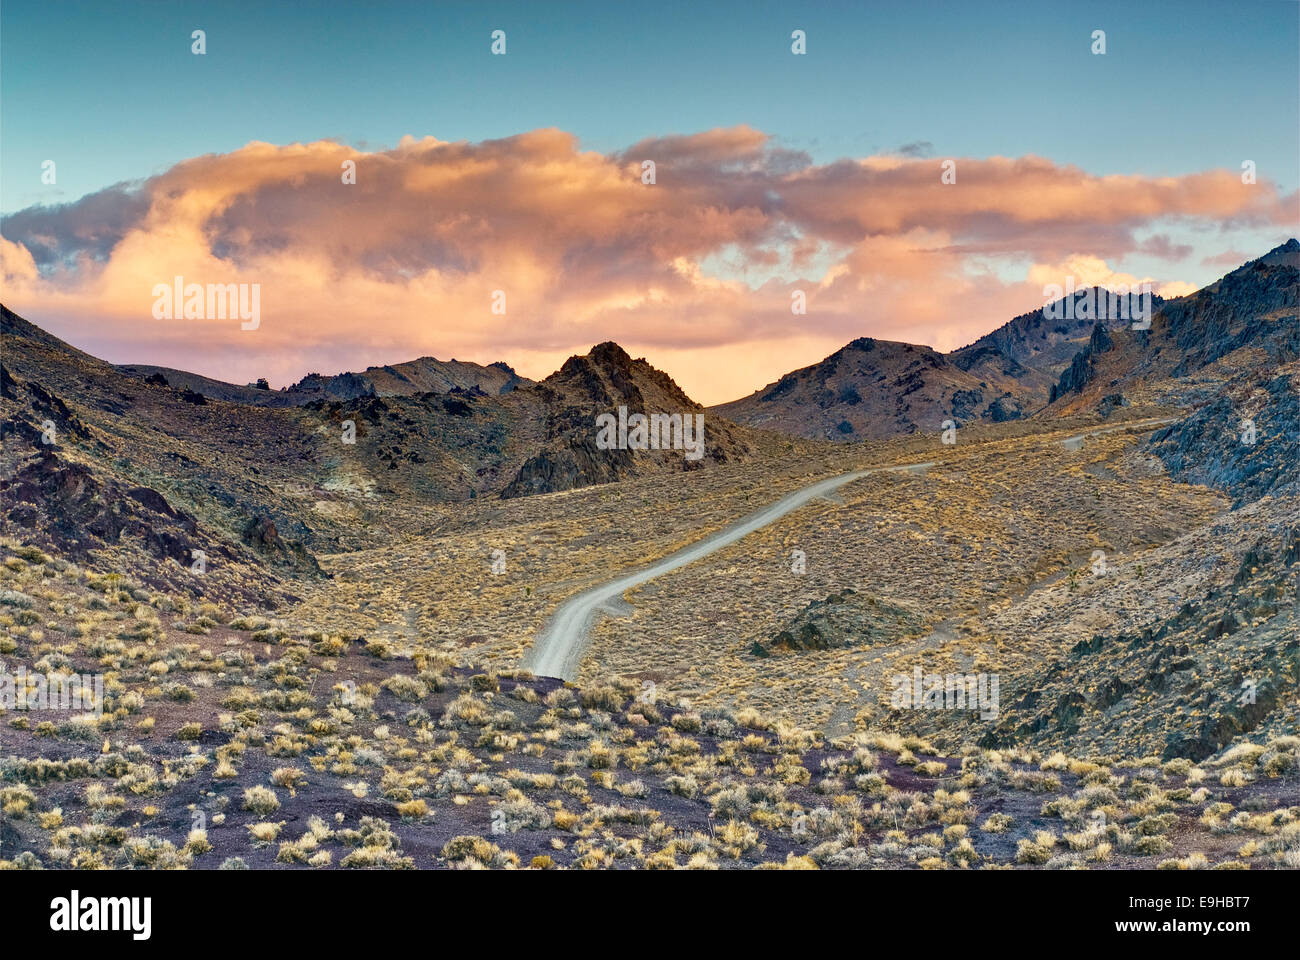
(111, 92)
(1139, 176)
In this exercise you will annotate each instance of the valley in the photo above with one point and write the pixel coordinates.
(464, 633)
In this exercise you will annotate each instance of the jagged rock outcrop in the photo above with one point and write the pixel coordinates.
(77, 513)
(602, 382)
(1084, 365)
(261, 534)
(843, 619)
(413, 377)
(574, 463)
(1246, 442)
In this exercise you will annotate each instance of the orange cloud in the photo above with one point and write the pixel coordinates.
(696, 268)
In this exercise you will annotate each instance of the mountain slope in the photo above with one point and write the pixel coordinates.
(1241, 326)
(145, 472)
(1026, 354)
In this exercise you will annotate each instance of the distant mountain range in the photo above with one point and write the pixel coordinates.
(868, 389)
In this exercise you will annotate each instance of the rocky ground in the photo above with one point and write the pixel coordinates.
(236, 743)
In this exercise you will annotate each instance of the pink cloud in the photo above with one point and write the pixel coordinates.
(405, 262)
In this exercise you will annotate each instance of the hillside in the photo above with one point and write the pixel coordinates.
(1238, 329)
(868, 389)
(270, 486)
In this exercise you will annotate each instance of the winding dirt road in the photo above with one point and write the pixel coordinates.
(559, 647)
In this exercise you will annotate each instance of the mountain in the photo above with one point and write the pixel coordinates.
(866, 390)
(1228, 352)
(879, 388)
(425, 375)
(599, 383)
(1026, 354)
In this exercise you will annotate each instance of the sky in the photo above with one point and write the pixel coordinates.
(776, 173)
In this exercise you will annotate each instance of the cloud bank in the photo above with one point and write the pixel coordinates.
(695, 271)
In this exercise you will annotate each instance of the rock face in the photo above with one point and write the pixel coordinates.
(571, 463)
(66, 506)
(344, 386)
(1083, 367)
(1238, 329)
(261, 534)
(1005, 408)
(1112, 402)
(39, 416)
(1246, 307)
(425, 375)
(1032, 349)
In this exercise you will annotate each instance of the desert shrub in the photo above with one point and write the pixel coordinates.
(603, 698)
(261, 800)
(997, 823)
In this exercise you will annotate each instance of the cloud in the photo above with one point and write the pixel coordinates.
(918, 148)
(1175, 288)
(1160, 245)
(90, 227)
(1229, 258)
(699, 266)
(1089, 271)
